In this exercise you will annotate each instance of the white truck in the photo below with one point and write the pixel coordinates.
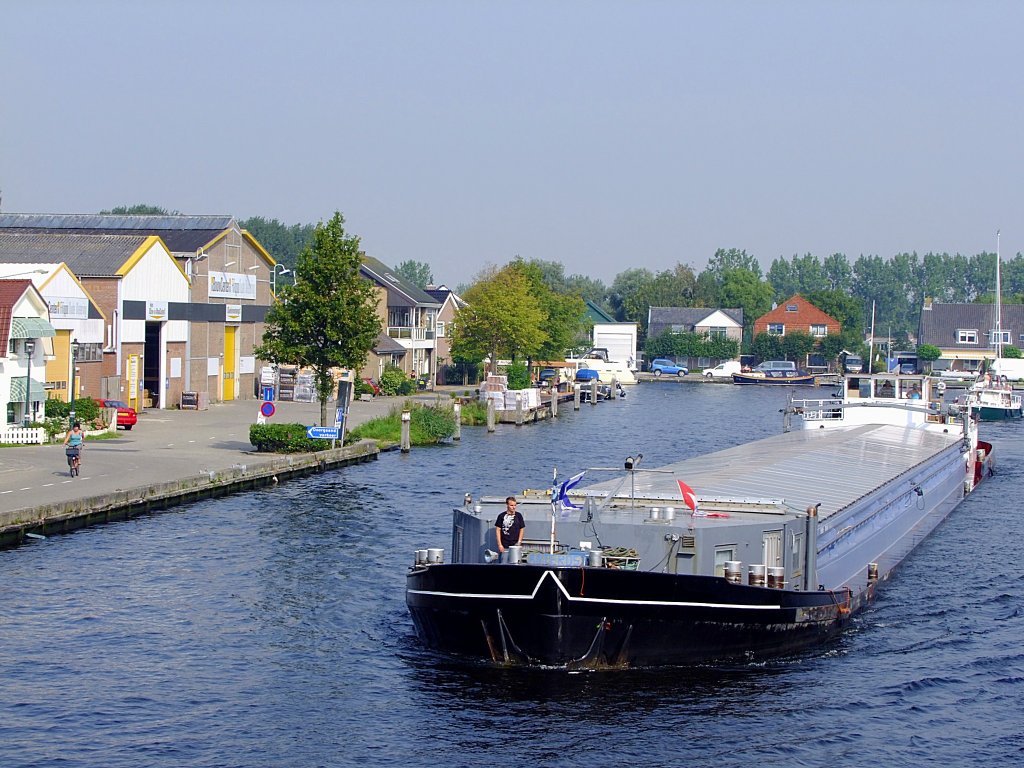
(1010, 367)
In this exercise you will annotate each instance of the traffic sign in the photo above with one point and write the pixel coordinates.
(322, 433)
(267, 409)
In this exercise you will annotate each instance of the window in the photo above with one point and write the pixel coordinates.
(722, 556)
(718, 333)
(791, 308)
(1006, 337)
(89, 353)
(965, 336)
(776, 329)
(440, 329)
(819, 330)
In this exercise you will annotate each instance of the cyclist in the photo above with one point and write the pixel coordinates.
(73, 442)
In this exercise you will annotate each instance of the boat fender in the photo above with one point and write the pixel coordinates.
(941, 386)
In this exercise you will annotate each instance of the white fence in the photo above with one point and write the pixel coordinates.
(23, 436)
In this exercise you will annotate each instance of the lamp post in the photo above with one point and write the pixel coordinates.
(273, 276)
(74, 358)
(30, 347)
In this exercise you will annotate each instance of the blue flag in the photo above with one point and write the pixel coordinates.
(564, 488)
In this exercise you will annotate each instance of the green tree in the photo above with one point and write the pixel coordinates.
(501, 319)
(563, 313)
(743, 288)
(766, 346)
(139, 209)
(416, 272)
(282, 241)
(329, 318)
(847, 309)
(796, 345)
(928, 353)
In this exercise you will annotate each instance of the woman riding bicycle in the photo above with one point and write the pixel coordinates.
(73, 443)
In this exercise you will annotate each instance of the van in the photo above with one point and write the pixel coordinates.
(776, 365)
(853, 364)
(723, 370)
(1011, 368)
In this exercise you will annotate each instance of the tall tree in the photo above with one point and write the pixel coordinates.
(501, 319)
(284, 242)
(139, 209)
(732, 258)
(416, 272)
(563, 313)
(328, 319)
(742, 288)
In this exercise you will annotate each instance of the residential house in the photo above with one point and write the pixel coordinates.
(797, 314)
(409, 316)
(450, 304)
(79, 324)
(230, 280)
(965, 333)
(27, 338)
(715, 323)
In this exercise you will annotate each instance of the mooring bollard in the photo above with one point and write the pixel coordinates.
(554, 402)
(490, 415)
(575, 397)
(519, 409)
(406, 425)
(457, 411)
(593, 391)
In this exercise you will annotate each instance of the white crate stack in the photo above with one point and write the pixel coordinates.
(496, 389)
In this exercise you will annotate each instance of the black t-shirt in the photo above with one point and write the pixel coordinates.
(510, 526)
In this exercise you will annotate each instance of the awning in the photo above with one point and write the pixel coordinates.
(31, 328)
(385, 345)
(18, 390)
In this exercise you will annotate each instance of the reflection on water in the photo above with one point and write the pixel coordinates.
(269, 628)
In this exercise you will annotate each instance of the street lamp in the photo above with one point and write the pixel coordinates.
(74, 359)
(30, 347)
(273, 276)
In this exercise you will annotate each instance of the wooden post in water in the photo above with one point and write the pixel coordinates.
(615, 388)
(457, 412)
(554, 402)
(406, 426)
(490, 414)
(576, 396)
(593, 391)
(519, 409)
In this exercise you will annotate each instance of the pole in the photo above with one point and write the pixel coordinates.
(30, 347)
(871, 341)
(554, 401)
(406, 426)
(576, 396)
(519, 409)
(457, 412)
(74, 357)
(490, 415)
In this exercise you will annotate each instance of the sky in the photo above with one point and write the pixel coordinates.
(602, 135)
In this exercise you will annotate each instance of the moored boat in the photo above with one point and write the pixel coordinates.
(774, 372)
(757, 550)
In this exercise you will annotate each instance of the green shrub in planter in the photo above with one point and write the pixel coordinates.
(391, 379)
(284, 438)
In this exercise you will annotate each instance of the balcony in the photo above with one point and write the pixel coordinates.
(410, 333)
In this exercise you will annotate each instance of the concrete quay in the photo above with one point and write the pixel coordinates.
(169, 457)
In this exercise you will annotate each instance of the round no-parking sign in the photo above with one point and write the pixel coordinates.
(267, 409)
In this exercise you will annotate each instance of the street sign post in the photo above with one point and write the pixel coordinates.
(267, 409)
(322, 433)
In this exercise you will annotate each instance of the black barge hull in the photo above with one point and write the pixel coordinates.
(602, 617)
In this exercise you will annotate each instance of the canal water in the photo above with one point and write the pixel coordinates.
(269, 629)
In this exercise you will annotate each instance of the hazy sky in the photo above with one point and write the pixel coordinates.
(603, 135)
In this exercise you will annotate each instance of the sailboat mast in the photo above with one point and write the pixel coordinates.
(999, 305)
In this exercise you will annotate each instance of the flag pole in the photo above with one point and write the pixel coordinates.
(554, 494)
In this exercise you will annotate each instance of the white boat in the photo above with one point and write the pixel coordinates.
(610, 371)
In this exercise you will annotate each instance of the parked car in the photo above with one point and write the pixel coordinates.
(548, 375)
(126, 416)
(662, 365)
(723, 370)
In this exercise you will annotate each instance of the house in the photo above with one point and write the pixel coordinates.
(229, 277)
(409, 316)
(797, 314)
(450, 304)
(714, 323)
(965, 333)
(27, 338)
(78, 321)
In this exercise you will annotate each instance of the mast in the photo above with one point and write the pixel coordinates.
(999, 305)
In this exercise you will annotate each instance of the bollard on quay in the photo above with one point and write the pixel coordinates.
(593, 391)
(519, 409)
(576, 397)
(490, 415)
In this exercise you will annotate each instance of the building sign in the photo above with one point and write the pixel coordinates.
(68, 308)
(232, 285)
(232, 313)
(156, 310)
(133, 381)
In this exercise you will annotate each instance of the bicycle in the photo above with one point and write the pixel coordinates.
(74, 454)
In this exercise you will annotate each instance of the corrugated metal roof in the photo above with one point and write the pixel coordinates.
(182, 234)
(38, 393)
(85, 255)
(804, 467)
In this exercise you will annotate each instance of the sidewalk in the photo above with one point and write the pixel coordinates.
(164, 445)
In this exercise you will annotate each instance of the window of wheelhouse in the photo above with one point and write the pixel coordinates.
(885, 388)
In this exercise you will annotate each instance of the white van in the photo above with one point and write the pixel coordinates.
(1010, 367)
(723, 370)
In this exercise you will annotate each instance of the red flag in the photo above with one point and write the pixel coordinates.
(689, 497)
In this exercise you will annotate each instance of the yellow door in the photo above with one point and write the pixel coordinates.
(229, 362)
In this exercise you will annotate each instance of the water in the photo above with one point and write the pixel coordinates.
(269, 629)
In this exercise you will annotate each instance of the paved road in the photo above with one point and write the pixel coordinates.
(164, 445)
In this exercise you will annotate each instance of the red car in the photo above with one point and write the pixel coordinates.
(126, 416)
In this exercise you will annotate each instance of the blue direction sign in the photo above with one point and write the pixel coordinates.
(322, 433)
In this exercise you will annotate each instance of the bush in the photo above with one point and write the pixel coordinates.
(87, 411)
(362, 388)
(428, 425)
(391, 379)
(474, 412)
(407, 387)
(518, 376)
(284, 438)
